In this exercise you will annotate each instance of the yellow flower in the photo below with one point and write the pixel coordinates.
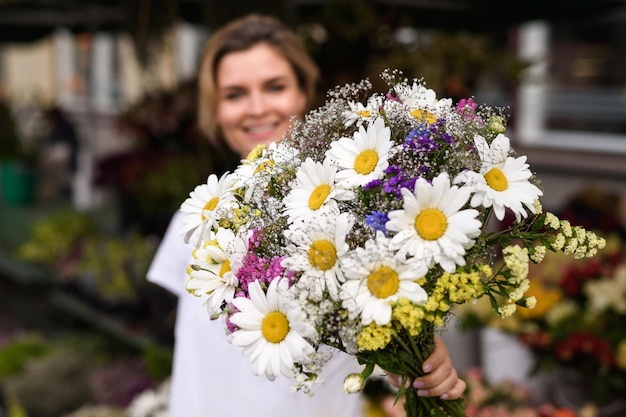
(409, 315)
(374, 337)
(546, 299)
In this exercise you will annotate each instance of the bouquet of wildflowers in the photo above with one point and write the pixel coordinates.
(362, 227)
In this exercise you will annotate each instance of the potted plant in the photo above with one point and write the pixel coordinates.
(17, 161)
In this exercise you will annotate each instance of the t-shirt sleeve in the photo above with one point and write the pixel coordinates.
(168, 267)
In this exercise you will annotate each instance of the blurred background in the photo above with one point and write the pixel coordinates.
(99, 145)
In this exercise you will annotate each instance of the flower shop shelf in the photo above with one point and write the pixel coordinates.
(15, 222)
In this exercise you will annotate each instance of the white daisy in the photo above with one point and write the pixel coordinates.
(503, 181)
(315, 248)
(202, 205)
(214, 272)
(360, 113)
(432, 227)
(272, 330)
(314, 187)
(364, 157)
(421, 102)
(375, 278)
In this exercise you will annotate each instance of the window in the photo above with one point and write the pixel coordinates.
(574, 94)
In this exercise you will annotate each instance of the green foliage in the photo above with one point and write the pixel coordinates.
(56, 375)
(158, 360)
(165, 189)
(54, 384)
(117, 265)
(10, 143)
(52, 238)
(15, 354)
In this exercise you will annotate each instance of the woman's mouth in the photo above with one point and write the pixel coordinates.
(261, 131)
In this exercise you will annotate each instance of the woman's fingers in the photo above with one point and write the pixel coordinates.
(441, 379)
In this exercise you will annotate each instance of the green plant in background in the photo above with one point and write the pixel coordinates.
(117, 265)
(70, 242)
(62, 373)
(21, 132)
(16, 353)
(52, 239)
(54, 384)
(158, 360)
(10, 143)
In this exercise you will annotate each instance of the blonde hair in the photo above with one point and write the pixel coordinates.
(240, 35)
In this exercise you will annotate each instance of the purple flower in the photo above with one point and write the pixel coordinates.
(377, 220)
(398, 179)
(257, 268)
(372, 184)
(420, 140)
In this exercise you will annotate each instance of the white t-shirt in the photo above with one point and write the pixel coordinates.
(212, 378)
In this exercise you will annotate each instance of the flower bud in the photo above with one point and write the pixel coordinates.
(496, 124)
(353, 383)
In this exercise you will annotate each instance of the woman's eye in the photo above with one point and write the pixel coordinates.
(276, 87)
(233, 95)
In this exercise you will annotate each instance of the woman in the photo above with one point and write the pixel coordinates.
(255, 76)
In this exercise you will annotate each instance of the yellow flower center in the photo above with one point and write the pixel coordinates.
(366, 162)
(424, 116)
(318, 196)
(275, 327)
(496, 179)
(383, 282)
(322, 255)
(431, 224)
(225, 268)
(364, 113)
(210, 205)
(265, 166)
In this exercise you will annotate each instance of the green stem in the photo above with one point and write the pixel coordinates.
(416, 350)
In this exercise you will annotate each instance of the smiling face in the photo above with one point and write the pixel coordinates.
(258, 93)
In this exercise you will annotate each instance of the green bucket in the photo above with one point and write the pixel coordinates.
(18, 183)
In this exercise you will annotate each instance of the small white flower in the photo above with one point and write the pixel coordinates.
(202, 205)
(604, 294)
(552, 221)
(273, 330)
(359, 113)
(151, 403)
(363, 157)
(353, 383)
(507, 310)
(416, 95)
(421, 102)
(433, 227)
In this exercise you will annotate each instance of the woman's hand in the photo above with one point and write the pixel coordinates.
(441, 379)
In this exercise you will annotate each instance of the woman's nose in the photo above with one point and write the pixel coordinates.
(257, 104)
